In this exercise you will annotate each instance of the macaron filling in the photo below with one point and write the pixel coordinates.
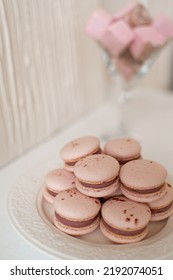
(146, 191)
(72, 163)
(52, 193)
(161, 210)
(121, 161)
(76, 224)
(98, 186)
(123, 232)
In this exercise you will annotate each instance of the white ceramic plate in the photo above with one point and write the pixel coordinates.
(32, 217)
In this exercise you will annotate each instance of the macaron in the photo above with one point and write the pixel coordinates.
(123, 149)
(76, 213)
(97, 175)
(79, 148)
(118, 192)
(56, 181)
(143, 180)
(124, 221)
(162, 208)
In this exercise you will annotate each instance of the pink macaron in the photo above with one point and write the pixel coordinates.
(118, 192)
(143, 180)
(79, 148)
(97, 175)
(123, 149)
(56, 181)
(124, 221)
(76, 213)
(162, 208)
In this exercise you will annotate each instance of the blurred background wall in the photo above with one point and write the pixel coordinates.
(50, 72)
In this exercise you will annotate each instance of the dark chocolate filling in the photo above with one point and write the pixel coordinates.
(77, 224)
(127, 160)
(123, 232)
(72, 163)
(98, 186)
(52, 193)
(146, 191)
(160, 210)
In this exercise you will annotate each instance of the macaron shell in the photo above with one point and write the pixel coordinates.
(59, 180)
(96, 169)
(145, 198)
(47, 196)
(123, 149)
(162, 216)
(75, 206)
(142, 174)
(69, 168)
(79, 148)
(95, 192)
(117, 238)
(77, 231)
(164, 200)
(124, 214)
(118, 192)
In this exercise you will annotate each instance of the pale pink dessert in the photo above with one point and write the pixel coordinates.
(143, 180)
(97, 175)
(79, 148)
(135, 14)
(97, 25)
(118, 37)
(76, 213)
(123, 149)
(56, 181)
(147, 40)
(124, 221)
(162, 208)
(164, 25)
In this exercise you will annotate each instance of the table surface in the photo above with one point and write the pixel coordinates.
(149, 116)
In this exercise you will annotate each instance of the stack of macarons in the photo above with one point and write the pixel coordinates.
(112, 187)
(130, 36)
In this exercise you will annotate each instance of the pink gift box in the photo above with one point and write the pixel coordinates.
(118, 37)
